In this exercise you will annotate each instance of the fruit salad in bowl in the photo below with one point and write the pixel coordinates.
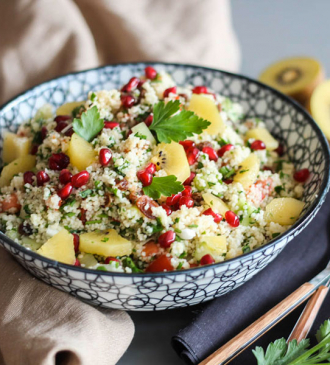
(148, 177)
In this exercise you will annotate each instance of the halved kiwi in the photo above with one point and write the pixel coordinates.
(296, 77)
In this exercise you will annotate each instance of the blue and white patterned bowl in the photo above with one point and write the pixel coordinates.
(305, 144)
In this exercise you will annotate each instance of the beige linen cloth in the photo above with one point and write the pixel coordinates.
(42, 39)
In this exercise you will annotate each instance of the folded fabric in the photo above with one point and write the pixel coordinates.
(226, 316)
(40, 325)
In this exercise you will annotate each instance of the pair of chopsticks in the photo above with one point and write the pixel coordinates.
(239, 343)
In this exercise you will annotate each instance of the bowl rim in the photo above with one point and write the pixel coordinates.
(319, 200)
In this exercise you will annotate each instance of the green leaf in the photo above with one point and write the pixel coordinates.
(128, 262)
(165, 186)
(89, 125)
(178, 127)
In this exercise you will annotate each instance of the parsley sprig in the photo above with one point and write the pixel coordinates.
(89, 125)
(293, 353)
(166, 186)
(178, 127)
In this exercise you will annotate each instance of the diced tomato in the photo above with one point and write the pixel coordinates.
(10, 203)
(161, 263)
(150, 249)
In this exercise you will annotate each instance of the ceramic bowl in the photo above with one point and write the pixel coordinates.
(288, 122)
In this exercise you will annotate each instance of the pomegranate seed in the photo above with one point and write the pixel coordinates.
(131, 85)
(65, 176)
(110, 125)
(148, 121)
(34, 149)
(207, 260)
(150, 72)
(187, 191)
(44, 132)
(109, 259)
(224, 149)
(28, 177)
(166, 239)
(267, 168)
(190, 179)
(80, 179)
(192, 155)
(76, 242)
(62, 118)
(25, 229)
(301, 175)
(187, 201)
(151, 168)
(187, 144)
(58, 161)
(42, 178)
(228, 181)
(169, 90)
(145, 177)
(172, 200)
(60, 126)
(280, 150)
(232, 218)
(127, 101)
(167, 209)
(211, 153)
(77, 263)
(200, 90)
(216, 216)
(105, 156)
(65, 191)
(69, 132)
(258, 145)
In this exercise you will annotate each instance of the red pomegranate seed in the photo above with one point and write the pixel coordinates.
(192, 155)
(267, 168)
(187, 201)
(44, 132)
(62, 118)
(80, 179)
(34, 149)
(58, 161)
(150, 72)
(166, 239)
(65, 192)
(65, 176)
(200, 90)
(167, 209)
(207, 260)
(301, 175)
(109, 259)
(228, 181)
(211, 153)
(60, 126)
(151, 168)
(105, 156)
(169, 90)
(224, 149)
(110, 125)
(172, 200)
(216, 216)
(190, 179)
(127, 101)
(77, 263)
(232, 218)
(145, 177)
(148, 121)
(258, 145)
(69, 132)
(187, 144)
(131, 85)
(280, 150)
(42, 178)
(187, 190)
(28, 177)
(76, 241)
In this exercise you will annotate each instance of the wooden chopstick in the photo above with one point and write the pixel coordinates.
(307, 317)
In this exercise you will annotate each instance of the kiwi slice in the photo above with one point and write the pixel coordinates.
(319, 107)
(172, 158)
(296, 77)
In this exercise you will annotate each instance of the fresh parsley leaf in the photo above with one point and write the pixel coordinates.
(165, 186)
(178, 127)
(279, 188)
(89, 125)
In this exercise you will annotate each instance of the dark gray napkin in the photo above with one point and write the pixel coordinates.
(225, 317)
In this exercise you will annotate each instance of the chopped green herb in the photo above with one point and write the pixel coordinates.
(86, 193)
(274, 235)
